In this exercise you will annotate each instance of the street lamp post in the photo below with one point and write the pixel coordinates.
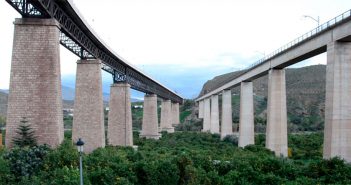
(314, 19)
(80, 145)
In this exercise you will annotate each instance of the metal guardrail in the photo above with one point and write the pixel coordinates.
(303, 38)
(311, 34)
(78, 38)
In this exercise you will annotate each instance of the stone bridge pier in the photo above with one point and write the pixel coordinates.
(276, 131)
(88, 115)
(214, 128)
(246, 122)
(207, 115)
(166, 116)
(35, 81)
(337, 129)
(119, 132)
(227, 120)
(175, 114)
(150, 119)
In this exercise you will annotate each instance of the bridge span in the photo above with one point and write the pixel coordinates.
(35, 82)
(333, 37)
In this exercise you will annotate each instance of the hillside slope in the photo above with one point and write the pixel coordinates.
(305, 89)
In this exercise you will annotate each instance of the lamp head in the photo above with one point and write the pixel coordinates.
(80, 145)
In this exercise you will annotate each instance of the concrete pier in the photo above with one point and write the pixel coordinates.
(175, 114)
(207, 115)
(214, 115)
(276, 131)
(150, 120)
(119, 132)
(246, 123)
(201, 109)
(88, 118)
(337, 130)
(35, 81)
(227, 120)
(166, 116)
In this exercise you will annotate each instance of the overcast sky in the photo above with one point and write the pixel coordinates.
(184, 43)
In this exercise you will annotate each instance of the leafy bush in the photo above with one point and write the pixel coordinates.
(26, 161)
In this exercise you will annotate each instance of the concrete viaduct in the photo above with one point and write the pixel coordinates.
(35, 82)
(333, 37)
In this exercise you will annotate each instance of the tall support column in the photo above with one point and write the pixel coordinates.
(119, 132)
(337, 129)
(88, 115)
(207, 115)
(150, 120)
(175, 114)
(35, 82)
(227, 120)
(214, 115)
(166, 116)
(201, 109)
(276, 131)
(246, 123)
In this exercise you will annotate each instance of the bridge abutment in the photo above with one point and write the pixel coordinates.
(88, 117)
(227, 120)
(214, 115)
(276, 131)
(246, 122)
(166, 116)
(207, 115)
(150, 119)
(119, 131)
(35, 81)
(337, 129)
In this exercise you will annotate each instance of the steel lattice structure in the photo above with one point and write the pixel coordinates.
(80, 40)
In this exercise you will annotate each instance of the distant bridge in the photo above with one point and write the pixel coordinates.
(333, 37)
(81, 40)
(35, 82)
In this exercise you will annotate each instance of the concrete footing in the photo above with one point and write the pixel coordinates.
(166, 116)
(214, 115)
(175, 114)
(246, 123)
(227, 121)
(276, 131)
(35, 81)
(337, 129)
(119, 132)
(207, 115)
(88, 115)
(150, 120)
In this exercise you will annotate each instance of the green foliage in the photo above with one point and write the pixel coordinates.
(306, 146)
(25, 135)
(26, 161)
(186, 158)
(183, 115)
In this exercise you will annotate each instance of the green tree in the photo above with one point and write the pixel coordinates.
(25, 135)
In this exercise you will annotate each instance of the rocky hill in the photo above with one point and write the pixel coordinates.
(305, 89)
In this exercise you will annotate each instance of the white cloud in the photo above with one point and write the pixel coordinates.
(187, 33)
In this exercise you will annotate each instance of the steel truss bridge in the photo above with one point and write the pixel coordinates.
(77, 37)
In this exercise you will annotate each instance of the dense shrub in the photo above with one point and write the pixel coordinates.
(27, 160)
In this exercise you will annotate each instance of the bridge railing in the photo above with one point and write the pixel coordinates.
(314, 32)
(303, 38)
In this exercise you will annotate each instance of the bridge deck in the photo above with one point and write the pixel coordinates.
(309, 45)
(80, 39)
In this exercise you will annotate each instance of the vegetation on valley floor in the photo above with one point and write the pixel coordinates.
(179, 158)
